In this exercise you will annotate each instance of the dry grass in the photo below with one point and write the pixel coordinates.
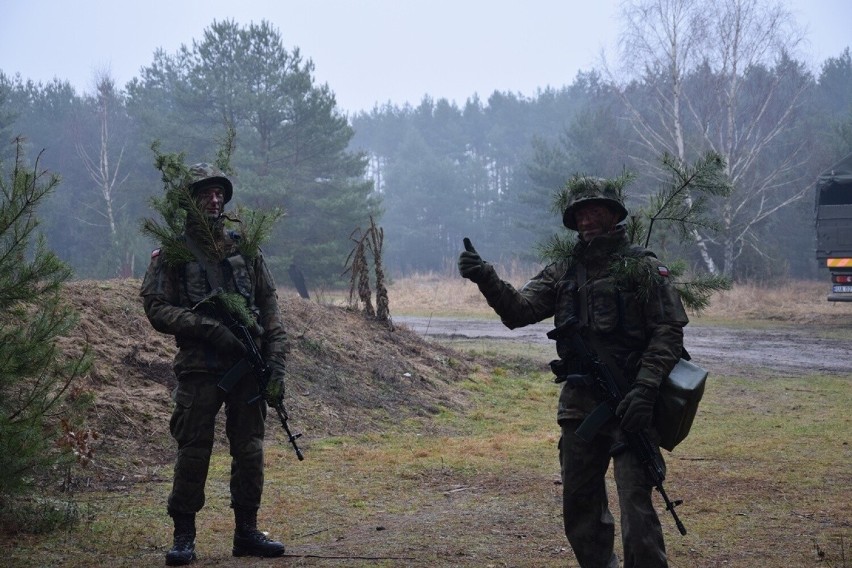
(446, 294)
(793, 302)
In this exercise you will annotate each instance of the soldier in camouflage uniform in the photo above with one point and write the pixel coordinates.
(206, 350)
(639, 322)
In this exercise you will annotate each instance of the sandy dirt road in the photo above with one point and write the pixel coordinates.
(785, 351)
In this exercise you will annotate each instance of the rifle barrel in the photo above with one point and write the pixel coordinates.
(670, 507)
(282, 415)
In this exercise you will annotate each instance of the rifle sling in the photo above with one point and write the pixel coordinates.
(582, 296)
(583, 322)
(605, 357)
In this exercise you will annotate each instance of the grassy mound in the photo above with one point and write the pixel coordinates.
(346, 374)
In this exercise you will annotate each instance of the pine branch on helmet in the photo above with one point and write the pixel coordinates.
(584, 190)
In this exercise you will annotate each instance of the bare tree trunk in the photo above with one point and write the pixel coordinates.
(102, 172)
(670, 39)
(672, 44)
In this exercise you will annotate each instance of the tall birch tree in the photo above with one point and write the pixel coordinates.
(102, 159)
(720, 78)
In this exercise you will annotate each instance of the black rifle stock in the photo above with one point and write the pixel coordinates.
(608, 386)
(253, 363)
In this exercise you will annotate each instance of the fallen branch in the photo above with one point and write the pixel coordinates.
(346, 557)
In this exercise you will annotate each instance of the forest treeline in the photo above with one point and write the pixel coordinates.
(436, 172)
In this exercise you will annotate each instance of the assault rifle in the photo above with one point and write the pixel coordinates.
(612, 392)
(252, 363)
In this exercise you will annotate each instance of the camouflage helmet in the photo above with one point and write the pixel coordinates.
(204, 175)
(586, 190)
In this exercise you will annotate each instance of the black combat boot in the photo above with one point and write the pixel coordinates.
(248, 541)
(183, 550)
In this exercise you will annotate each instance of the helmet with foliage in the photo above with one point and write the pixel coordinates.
(585, 190)
(205, 175)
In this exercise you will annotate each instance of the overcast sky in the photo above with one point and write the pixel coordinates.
(368, 51)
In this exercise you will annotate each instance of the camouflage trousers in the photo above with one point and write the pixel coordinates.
(198, 400)
(589, 524)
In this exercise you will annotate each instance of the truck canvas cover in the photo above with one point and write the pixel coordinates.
(834, 211)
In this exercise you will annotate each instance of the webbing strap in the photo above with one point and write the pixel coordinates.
(214, 272)
(583, 295)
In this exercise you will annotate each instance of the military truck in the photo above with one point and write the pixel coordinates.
(834, 227)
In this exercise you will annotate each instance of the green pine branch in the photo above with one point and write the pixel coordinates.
(256, 228)
(682, 204)
(177, 209)
(36, 374)
(563, 195)
(696, 293)
(558, 246)
(233, 303)
(680, 207)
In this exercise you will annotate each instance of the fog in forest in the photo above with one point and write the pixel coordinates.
(485, 164)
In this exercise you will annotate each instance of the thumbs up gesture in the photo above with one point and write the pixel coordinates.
(471, 265)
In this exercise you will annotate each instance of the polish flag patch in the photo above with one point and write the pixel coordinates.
(155, 253)
(663, 271)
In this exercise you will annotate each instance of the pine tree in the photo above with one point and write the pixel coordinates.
(294, 142)
(37, 408)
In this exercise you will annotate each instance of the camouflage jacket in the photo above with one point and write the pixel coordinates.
(170, 291)
(639, 321)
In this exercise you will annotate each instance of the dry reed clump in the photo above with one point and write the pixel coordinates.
(359, 269)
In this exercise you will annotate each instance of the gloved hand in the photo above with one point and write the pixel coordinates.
(274, 394)
(637, 408)
(471, 265)
(219, 335)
